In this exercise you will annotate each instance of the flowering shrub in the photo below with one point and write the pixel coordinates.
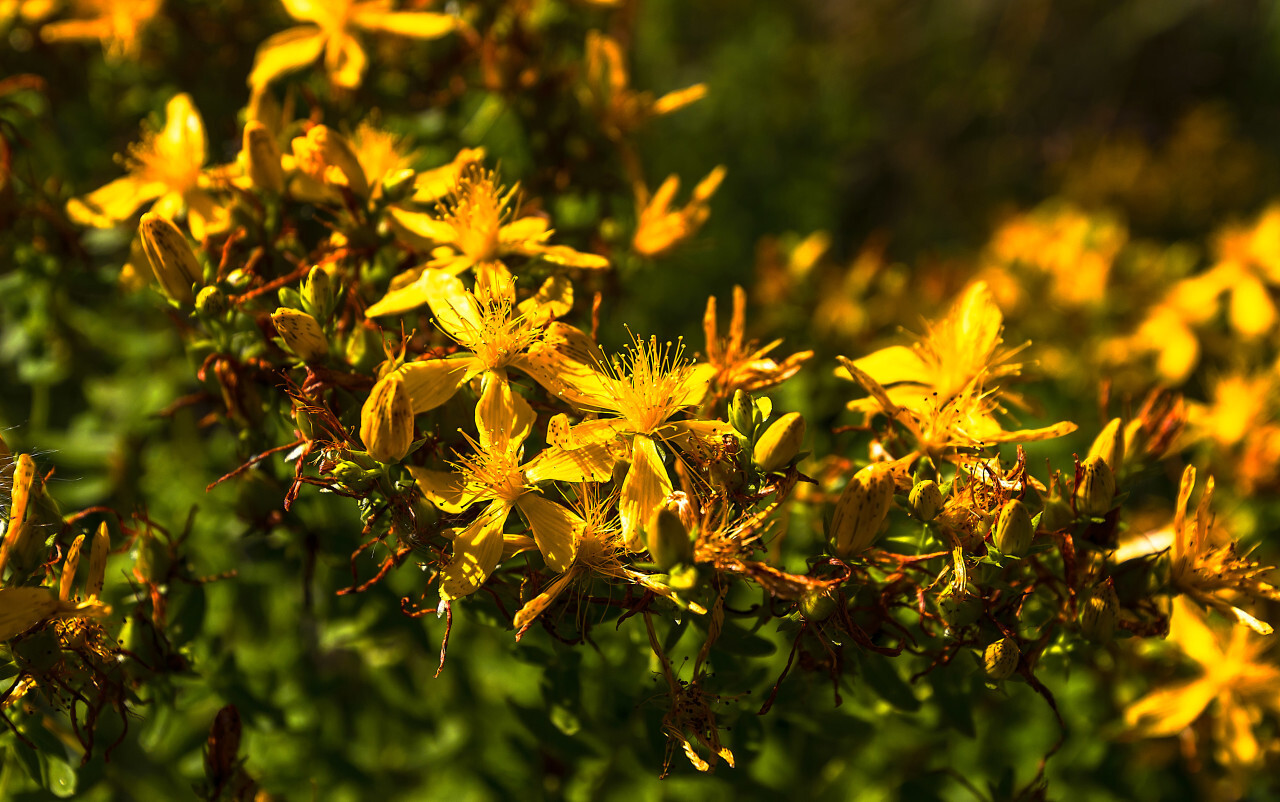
(382, 321)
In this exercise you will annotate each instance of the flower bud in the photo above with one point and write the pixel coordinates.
(328, 157)
(1057, 515)
(398, 185)
(386, 420)
(1098, 613)
(817, 605)
(211, 302)
(683, 577)
(960, 611)
(318, 293)
(668, 540)
(1096, 488)
(1000, 659)
(31, 512)
(98, 561)
(925, 500)
(780, 442)
(1013, 529)
(69, 566)
(1109, 445)
(152, 562)
(171, 258)
(860, 511)
(262, 158)
(741, 413)
(301, 333)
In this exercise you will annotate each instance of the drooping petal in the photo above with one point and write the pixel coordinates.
(503, 417)
(117, 201)
(646, 485)
(418, 24)
(592, 463)
(431, 382)
(553, 299)
(345, 60)
(556, 530)
(284, 52)
(476, 551)
(445, 489)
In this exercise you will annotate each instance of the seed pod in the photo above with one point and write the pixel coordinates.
(98, 561)
(925, 500)
(386, 420)
(301, 333)
(69, 566)
(171, 258)
(817, 605)
(1109, 444)
(262, 158)
(1000, 659)
(780, 442)
(741, 410)
(1098, 613)
(1014, 529)
(668, 540)
(1096, 488)
(860, 511)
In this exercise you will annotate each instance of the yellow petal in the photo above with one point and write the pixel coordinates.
(418, 24)
(566, 256)
(892, 365)
(503, 417)
(204, 215)
(525, 231)
(117, 201)
(425, 231)
(556, 530)
(679, 99)
(182, 138)
(1252, 312)
(592, 463)
(554, 299)
(284, 52)
(1168, 711)
(345, 60)
(456, 310)
(476, 551)
(873, 387)
(22, 608)
(533, 608)
(432, 382)
(445, 489)
(645, 487)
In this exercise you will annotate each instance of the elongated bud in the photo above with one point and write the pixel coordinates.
(31, 513)
(1109, 445)
(301, 333)
(860, 511)
(780, 443)
(98, 561)
(262, 158)
(817, 605)
(327, 156)
(925, 500)
(318, 293)
(1096, 489)
(1014, 529)
(152, 561)
(171, 258)
(1000, 659)
(386, 420)
(741, 412)
(69, 566)
(1098, 613)
(668, 539)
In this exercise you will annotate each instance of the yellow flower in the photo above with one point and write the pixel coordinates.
(165, 167)
(1234, 673)
(497, 332)
(943, 390)
(1074, 250)
(660, 229)
(478, 226)
(333, 23)
(740, 364)
(118, 24)
(644, 389)
(494, 476)
(607, 89)
(1214, 576)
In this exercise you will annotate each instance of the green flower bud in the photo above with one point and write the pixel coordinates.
(741, 413)
(960, 611)
(1096, 488)
(780, 443)
(262, 158)
(152, 562)
(398, 185)
(860, 510)
(683, 577)
(211, 302)
(318, 293)
(1109, 445)
(364, 348)
(1057, 515)
(301, 333)
(817, 605)
(172, 259)
(1014, 529)
(668, 540)
(925, 471)
(1098, 613)
(925, 500)
(1000, 659)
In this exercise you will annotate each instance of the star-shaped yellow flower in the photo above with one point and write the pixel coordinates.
(331, 32)
(118, 24)
(739, 363)
(166, 167)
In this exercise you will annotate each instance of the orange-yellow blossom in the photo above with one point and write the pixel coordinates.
(118, 24)
(661, 228)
